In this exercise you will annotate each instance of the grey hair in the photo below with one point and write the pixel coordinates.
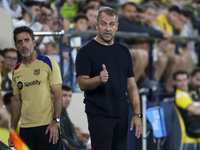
(109, 11)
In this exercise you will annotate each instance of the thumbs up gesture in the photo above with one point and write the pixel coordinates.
(104, 74)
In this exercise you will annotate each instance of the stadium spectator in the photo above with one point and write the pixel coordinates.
(139, 52)
(91, 13)
(34, 7)
(160, 59)
(80, 24)
(166, 22)
(68, 131)
(26, 17)
(43, 24)
(68, 9)
(188, 106)
(13, 8)
(194, 83)
(170, 22)
(140, 15)
(5, 117)
(37, 100)
(10, 61)
(46, 13)
(94, 3)
(102, 4)
(57, 23)
(151, 15)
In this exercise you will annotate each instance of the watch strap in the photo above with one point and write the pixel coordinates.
(138, 115)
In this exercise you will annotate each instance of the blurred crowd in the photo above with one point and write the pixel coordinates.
(157, 18)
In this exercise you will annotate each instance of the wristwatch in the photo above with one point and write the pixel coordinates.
(57, 120)
(139, 115)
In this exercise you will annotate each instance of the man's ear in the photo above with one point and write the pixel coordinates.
(117, 26)
(96, 26)
(34, 42)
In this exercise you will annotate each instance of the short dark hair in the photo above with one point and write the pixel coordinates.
(140, 9)
(30, 4)
(66, 87)
(7, 98)
(185, 13)
(2, 53)
(9, 50)
(46, 5)
(80, 16)
(88, 1)
(86, 8)
(149, 5)
(109, 11)
(128, 3)
(174, 8)
(103, 3)
(179, 72)
(21, 29)
(195, 71)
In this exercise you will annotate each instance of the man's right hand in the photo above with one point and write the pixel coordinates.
(104, 74)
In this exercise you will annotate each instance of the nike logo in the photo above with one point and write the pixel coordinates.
(18, 76)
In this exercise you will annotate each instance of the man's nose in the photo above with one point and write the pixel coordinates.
(108, 27)
(23, 44)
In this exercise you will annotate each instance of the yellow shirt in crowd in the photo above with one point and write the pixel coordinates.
(164, 24)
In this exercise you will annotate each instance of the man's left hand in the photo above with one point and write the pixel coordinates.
(137, 122)
(53, 135)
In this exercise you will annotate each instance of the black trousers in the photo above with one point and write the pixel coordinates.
(108, 133)
(36, 139)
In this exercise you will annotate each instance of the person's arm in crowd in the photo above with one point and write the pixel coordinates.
(4, 118)
(65, 23)
(6, 7)
(16, 106)
(86, 83)
(53, 127)
(66, 137)
(134, 101)
(81, 136)
(193, 110)
(40, 39)
(126, 26)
